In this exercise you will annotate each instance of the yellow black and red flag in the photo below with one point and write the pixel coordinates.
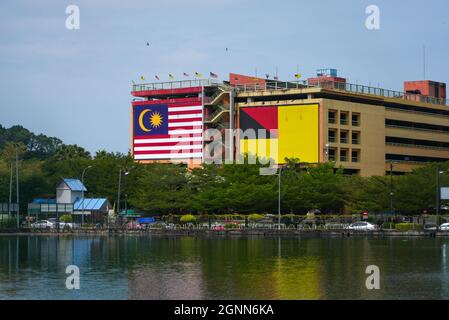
(280, 132)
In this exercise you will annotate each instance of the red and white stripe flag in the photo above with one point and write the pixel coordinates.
(168, 131)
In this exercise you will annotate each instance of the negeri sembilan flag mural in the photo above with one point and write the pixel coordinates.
(168, 131)
(280, 132)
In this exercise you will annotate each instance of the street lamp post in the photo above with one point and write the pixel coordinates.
(82, 194)
(126, 204)
(270, 172)
(10, 193)
(279, 198)
(17, 186)
(438, 192)
(120, 173)
(326, 152)
(118, 193)
(391, 188)
(437, 202)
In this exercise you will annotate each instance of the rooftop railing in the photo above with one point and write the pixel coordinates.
(347, 87)
(175, 84)
(280, 85)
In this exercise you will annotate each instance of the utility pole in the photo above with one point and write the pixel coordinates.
(82, 197)
(118, 195)
(391, 188)
(126, 204)
(120, 173)
(279, 198)
(17, 186)
(438, 193)
(10, 192)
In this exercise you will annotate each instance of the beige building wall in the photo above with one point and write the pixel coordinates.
(372, 135)
(372, 129)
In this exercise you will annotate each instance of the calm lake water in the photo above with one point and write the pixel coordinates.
(144, 267)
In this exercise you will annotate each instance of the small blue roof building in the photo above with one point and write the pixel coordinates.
(71, 191)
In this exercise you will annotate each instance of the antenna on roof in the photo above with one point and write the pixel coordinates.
(424, 61)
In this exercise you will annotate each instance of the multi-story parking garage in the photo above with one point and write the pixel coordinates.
(362, 129)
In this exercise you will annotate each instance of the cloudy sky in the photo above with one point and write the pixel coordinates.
(75, 84)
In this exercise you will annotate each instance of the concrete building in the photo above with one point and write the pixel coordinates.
(362, 129)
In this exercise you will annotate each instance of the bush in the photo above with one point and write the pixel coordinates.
(231, 226)
(388, 225)
(407, 226)
(8, 223)
(66, 218)
(255, 217)
(188, 218)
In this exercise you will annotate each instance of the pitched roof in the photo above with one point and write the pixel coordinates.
(74, 184)
(89, 204)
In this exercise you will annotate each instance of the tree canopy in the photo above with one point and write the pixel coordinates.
(210, 189)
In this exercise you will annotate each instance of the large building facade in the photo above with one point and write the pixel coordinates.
(365, 130)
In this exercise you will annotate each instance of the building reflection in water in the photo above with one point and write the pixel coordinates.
(142, 267)
(181, 280)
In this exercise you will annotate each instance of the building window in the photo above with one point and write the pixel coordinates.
(332, 115)
(332, 135)
(343, 155)
(356, 119)
(343, 118)
(355, 137)
(331, 155)
(355, 155)
(343, 136)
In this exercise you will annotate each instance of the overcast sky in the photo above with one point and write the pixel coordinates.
(75, 84)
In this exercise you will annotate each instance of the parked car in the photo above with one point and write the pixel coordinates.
(430, 226)
(132, 225)
(444, 227)
(362, 226)
(66, 225)
(43, 224)
(170, 226)
(335, 226)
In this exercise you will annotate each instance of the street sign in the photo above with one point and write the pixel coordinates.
(444, 192)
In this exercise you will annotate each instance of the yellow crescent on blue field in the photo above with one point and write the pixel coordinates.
(142, 126)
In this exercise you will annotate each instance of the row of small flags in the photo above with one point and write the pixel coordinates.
(172, 77)
(297, 76)
(212, 75)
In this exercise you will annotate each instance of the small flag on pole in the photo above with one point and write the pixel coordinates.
(298, 76)
(142, 78)
(213, 75)
(186, 74)
(198, 75)
(170, 76)
(267, 75)
(157, 77)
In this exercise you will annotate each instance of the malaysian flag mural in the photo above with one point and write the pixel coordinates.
(168, 131)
